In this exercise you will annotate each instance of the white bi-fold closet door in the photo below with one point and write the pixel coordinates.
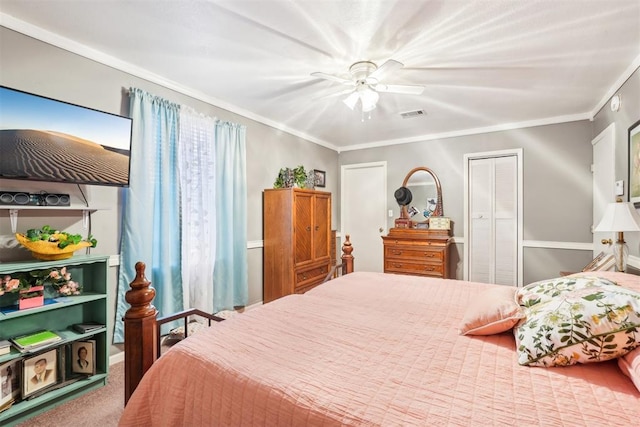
(492, 234)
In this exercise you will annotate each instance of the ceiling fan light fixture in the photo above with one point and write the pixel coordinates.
(369, 99)
(351, 100)
(366, 77)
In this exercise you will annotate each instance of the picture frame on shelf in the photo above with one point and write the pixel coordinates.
(321, 177)
(39, 372)
(10, 374)
(83, 357)
(634, 164)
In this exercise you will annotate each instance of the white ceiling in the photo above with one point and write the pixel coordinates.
(486, 64)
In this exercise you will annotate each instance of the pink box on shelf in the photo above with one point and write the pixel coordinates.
(31, 302)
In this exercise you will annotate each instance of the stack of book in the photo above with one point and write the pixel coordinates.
(35, 341)
(5, 347)
(85, 328)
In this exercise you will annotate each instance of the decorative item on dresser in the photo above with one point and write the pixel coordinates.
(415, 246)
(297, 240)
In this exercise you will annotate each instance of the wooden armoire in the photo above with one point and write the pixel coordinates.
(297, 240)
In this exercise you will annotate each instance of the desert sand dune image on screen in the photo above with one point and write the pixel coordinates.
(53, 156)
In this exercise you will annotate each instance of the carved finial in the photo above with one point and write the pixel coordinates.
(140, 295)
(347, 258)
(347, 248)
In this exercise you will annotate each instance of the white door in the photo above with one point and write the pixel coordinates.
(363, 203)
(603, 182)
(493, 215)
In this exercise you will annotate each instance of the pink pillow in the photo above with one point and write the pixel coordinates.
(630, 365)
(494, 311)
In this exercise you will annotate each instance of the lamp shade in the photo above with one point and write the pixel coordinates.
(619, 217)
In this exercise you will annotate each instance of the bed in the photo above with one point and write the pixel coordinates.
(372, 349)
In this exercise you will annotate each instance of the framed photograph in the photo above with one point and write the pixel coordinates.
(634, 164)
(39, 372)
(10, 381)
(320, 178)
(83, 357)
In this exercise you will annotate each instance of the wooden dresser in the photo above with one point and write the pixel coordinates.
(417, 252)
(297, 240)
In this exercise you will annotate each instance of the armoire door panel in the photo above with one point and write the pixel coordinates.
(303, 227)
(321, 229)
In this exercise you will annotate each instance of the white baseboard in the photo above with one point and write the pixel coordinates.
(116, 358)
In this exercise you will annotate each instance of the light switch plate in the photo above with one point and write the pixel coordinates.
(619, 188)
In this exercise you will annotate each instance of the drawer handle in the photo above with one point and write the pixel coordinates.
(396, 252)
(317, 227)
(304, 277)
(427, 268)
(397, 265)
(308, 228)
(429, 254)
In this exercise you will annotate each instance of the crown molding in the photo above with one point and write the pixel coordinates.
(472, 131)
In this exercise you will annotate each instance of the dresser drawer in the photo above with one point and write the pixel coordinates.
(435, 255)
(413, 267)
(311, 276)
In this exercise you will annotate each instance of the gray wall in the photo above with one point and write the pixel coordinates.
(557, 180)
(34, 66)
(557, 185)
(627, 115)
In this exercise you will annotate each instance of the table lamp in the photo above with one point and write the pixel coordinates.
(620, 217)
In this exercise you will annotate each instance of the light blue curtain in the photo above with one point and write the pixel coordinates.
(151, 206)
(230, 276)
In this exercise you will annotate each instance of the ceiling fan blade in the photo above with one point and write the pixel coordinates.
(333, 78)
(351, 100)
(404, 89)
(386, 68)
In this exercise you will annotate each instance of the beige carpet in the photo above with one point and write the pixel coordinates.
(98, 408)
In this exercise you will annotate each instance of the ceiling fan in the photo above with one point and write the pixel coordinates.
(365, 81)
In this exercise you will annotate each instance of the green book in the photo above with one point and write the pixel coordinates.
(36, 339)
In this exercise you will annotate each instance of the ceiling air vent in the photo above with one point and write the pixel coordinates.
(410, 114)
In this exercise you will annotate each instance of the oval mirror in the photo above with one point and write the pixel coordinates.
(427, 194)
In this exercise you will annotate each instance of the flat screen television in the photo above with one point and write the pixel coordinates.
(43, 139)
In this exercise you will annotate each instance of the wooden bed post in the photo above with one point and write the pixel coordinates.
(347, 258)
(140, 336)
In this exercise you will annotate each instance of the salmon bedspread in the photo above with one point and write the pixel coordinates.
(371, 349)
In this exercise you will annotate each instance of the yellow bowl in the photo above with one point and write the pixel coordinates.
(49, 251)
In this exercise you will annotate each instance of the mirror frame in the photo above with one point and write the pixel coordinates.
(439, 210)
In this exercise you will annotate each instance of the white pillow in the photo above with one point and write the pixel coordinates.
(546, 290)
(584, 325)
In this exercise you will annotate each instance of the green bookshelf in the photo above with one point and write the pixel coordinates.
(58, 316)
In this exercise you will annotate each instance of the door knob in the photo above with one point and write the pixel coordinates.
(606, 241)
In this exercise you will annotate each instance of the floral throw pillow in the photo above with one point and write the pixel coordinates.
(583, 325)
(546, 290)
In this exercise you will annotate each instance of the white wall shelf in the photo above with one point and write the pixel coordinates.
(86, 211)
